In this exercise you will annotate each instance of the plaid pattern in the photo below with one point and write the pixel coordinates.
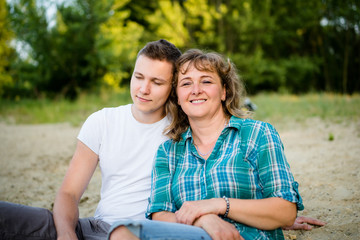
(247, 162)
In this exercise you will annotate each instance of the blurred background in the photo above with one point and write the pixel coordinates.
(56, 49)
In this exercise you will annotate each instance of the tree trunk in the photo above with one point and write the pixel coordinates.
(346, 62)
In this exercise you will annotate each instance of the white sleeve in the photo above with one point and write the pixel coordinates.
(92, 130)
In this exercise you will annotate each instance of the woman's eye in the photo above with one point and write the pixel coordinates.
(185, 84)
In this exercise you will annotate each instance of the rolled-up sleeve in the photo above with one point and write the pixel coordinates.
(160, 198)
(274, 171)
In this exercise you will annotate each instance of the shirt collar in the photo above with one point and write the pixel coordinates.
(235, 122)
(185, 136)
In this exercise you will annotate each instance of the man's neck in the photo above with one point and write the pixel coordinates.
(147, 118)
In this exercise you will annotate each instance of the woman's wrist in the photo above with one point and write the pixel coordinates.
(227, 201)
(220, 206)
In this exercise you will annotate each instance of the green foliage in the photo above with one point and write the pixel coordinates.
(6, 53)
(62, 59)
(168, 22)
(277, 45)
(300, 74)
(83, 50)
(118, 42)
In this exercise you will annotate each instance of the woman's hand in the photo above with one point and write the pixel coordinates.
(217, 228)
(192, 210)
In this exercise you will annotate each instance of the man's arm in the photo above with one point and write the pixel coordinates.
(164, 216)
(77, 178)
(302, 223)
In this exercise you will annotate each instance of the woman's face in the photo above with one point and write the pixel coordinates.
(200, 93)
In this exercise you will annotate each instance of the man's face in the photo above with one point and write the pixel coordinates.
(150, 88)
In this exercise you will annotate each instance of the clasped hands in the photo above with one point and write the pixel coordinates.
(205, 214)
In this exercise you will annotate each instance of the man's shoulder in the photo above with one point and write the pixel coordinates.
(113, 112)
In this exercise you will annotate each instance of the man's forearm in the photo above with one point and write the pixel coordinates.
(66, 215)
(164, 216)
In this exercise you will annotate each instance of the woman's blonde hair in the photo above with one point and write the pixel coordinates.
(209, 62)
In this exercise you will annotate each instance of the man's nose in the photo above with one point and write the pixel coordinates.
(145, 87)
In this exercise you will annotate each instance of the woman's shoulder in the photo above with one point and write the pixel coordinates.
(248, 123)
(169, 146)
(250, 130)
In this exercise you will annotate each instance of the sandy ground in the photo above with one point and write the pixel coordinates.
(34, 158)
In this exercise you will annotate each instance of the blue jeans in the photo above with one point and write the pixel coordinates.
(24, 222)
(156, 230)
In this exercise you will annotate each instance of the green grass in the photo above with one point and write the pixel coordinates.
(30, 111)
(282, 108)
(273, 108)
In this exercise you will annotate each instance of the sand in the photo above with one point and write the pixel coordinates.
(34, 159)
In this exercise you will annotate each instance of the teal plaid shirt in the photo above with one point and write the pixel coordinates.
(247, 162)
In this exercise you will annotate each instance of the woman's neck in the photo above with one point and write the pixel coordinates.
(207, 131)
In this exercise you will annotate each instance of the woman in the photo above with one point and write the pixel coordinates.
(220, 171)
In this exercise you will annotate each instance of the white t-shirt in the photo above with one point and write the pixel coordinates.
(126, 150)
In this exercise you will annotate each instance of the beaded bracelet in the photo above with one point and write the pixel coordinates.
(227, 206)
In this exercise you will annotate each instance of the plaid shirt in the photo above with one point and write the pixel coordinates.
(247, 162)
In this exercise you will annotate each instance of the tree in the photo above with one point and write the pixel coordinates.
(341, 45)
(92, 44)
(6, 52)
(118, 42)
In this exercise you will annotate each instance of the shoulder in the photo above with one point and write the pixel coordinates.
(115, 111)
(254, 132)
(112, 112)
(250, 126)
(167, 146)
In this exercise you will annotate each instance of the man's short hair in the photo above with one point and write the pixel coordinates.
(161, 50)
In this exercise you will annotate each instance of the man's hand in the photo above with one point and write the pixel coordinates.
(217, 228)
(302, 223)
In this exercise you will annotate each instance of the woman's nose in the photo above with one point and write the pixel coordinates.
(196, 89)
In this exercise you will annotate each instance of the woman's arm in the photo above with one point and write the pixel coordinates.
(78, 175)
(266, 214)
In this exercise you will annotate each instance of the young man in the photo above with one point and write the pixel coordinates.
(123, 141)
